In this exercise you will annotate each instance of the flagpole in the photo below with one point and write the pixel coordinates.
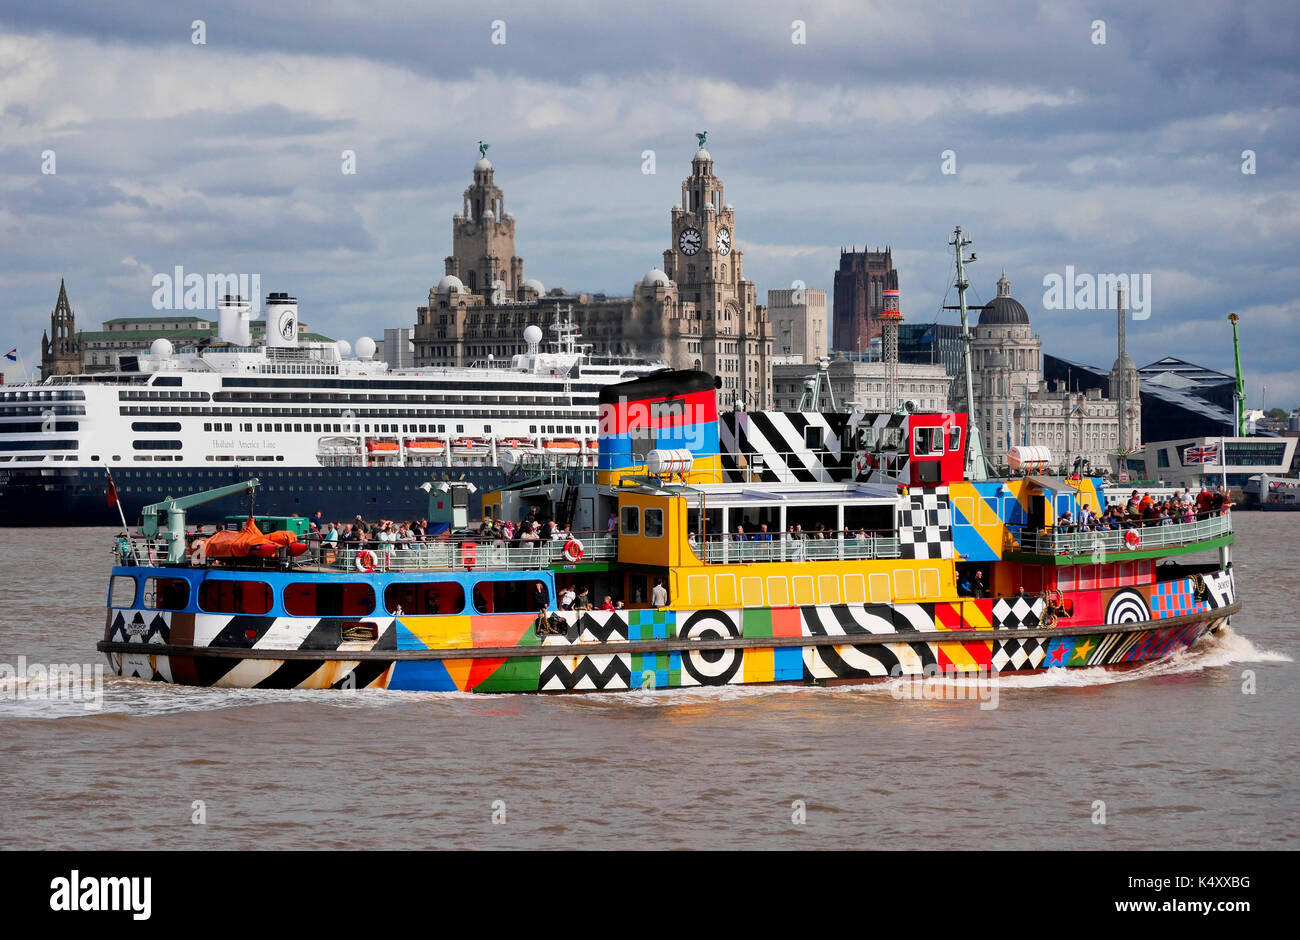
(117, 501)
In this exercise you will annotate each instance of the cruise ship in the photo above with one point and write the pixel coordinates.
(325, 428)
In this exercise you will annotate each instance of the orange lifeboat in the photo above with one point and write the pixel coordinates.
(562, 443)
(381, 447)
(425, 445)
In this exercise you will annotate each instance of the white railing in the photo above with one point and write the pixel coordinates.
(729, 550)
(469, 554)
(1057, 542)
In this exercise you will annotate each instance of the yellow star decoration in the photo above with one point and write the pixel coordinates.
(1082, 650)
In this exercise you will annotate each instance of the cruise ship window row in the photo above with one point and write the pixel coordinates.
(390, 385)
(332, 428)
(38, 427)
(486, 397)
(43, 394)
(12, 411)
(151, 395)
(332, 412)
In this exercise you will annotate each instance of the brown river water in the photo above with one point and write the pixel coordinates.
(1180, 752)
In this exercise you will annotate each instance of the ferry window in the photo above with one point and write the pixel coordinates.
(927, 442)
(954, 439)
(419, 599)
(166, 593)
(510, 597)
(631, 520)
(235, 597)
(329, 599)
(121, 591)
(654, 523)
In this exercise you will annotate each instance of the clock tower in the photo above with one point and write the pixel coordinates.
(714, 320)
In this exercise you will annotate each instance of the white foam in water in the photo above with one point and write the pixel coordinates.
(21, 698)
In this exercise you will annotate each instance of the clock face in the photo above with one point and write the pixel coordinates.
(689, 242)
(724, 241)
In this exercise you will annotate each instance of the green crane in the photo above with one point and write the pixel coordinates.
(175, 510)
(1239, 396)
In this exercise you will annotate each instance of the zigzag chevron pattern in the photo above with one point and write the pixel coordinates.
(612, 671)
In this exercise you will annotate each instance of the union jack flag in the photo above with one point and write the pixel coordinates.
(1201, 455)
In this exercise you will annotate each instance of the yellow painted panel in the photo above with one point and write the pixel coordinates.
(855, 589)
(778, 591)
(803, 590)
(929, 582)
(697, 590)
(987, 516)
(751, 592)
(440, 632)
(759, 665)
(966, 506)
(829, 587)
(724, 589)
(904, 585)
(879, 582)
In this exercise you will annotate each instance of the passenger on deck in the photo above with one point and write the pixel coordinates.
(977, 585)
(659, 594)
(762, 535)
(567, 597)
(607, 604)
(583, 601)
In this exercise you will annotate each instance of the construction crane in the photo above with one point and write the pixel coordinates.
(174, 508)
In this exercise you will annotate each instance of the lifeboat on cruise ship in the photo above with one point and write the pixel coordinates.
(563, 444)
(514, 443)
(425, 446)
(381, 447)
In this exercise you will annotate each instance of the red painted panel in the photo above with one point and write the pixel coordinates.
(786, 621)
(1089, 607)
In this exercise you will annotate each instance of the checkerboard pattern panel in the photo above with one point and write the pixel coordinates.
(925, 525)
(1017, 613)
(1174, 599)
(1018, 654)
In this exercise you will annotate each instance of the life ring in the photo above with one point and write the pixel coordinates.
(1132, 539)
(573, 550)
(366, 560)
(862, 463)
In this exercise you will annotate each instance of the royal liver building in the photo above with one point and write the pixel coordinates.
(697, 311)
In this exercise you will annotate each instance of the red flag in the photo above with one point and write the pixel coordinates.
(111, 492)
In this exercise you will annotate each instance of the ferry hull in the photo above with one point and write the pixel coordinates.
(625, 650)
(47, 497)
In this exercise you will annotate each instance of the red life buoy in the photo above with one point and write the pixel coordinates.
(1132, 539)
(573, 550)
(366, 561)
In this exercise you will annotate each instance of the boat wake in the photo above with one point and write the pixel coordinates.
(41, 697)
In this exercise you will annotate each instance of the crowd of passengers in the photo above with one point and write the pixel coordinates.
(387, 533)
(1146, 511)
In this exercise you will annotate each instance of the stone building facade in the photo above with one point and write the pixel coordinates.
(799, 324)
(697, 311)
(1014, 405)
(861, 385)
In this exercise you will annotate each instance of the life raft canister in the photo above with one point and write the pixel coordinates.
(573, 550)
(366, 560)
(1132, 539)
(468, 554)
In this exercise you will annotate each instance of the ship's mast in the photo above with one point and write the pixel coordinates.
(1239, 396)
(975, 465)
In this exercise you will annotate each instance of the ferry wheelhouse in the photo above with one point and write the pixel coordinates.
(716, 575)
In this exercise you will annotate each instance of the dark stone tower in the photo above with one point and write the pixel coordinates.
(62, 351)
(859, 297)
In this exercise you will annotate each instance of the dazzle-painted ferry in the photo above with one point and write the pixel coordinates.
(322, 429)
(700, 575)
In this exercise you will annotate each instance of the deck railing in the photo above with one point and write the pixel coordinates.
(469, 554)
(729, 550)
(1059, 542)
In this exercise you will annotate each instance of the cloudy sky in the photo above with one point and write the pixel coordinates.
(1122, 156)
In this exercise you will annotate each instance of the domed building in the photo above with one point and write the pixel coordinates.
(1014, 405)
